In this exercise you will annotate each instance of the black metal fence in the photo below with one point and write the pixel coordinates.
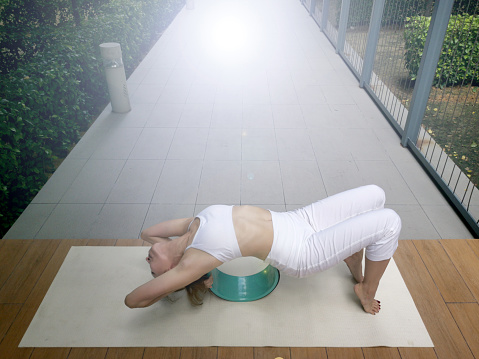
(418, 60)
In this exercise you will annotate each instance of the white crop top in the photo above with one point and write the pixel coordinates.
(216, 234)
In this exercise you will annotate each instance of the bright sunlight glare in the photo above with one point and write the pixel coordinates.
(229, 38)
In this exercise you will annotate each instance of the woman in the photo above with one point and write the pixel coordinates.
(299, 243)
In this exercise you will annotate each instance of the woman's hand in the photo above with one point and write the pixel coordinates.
(209, 282)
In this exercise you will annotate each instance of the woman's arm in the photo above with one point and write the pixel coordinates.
(165, 230)
(193, 266)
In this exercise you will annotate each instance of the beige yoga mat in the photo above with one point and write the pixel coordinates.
(84, 308)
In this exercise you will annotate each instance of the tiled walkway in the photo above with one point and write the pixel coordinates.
(239, 102)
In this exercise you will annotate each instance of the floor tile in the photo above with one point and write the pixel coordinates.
(172, 94)
(165, 115)
(60, 181)
(310, 94)
(227, 115)
(420, 183)
(145, 94)
(117, 144)
(336, 95)
(181, 77)
(446, 222)
(220, 183)
(257, 116)
(204, 94)
(156, 76)
(153, 144)
(136, 117)
(196, 115)
(136, 182)
(339, 176)
(179, 182)
(94, 182)
(294, 144)
(330, 144)
(348, 116)
(164, 212)
(261, 183)
(256, 94)
(385, 175)
(302, 182)
(283, 92)
(189, 143)
(415, 222)
(30, 221)
(318, 116)
(224, 144)
(363, 144)
(89, 143)
(259, 144)
(70, 221)
(119, 221)
(288, 116)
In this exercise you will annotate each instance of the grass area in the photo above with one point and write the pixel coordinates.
(452, 114)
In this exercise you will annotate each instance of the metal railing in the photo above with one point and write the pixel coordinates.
(436, 118)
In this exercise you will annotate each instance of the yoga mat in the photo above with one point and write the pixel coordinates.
(84, 308)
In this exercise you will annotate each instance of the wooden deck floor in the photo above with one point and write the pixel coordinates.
(442, 276)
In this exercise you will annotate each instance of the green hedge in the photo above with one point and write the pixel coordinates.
(460, 52)
(46, 102)
(395, 12)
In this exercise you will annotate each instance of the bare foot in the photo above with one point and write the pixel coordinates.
(369, 304)
(355, 265)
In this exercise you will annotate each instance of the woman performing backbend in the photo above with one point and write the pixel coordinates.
(298, 243)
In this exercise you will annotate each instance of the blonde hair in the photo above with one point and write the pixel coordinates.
(195, 291)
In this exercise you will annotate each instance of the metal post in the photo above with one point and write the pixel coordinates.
(427, 69)
(324, 18)
(312, 7)
(372, 42)
(343, 24)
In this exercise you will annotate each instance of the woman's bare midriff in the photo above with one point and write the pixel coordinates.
(254, 230)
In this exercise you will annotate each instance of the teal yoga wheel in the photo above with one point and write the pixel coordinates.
(244, 279)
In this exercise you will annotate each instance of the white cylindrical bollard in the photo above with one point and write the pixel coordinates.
(115, 76)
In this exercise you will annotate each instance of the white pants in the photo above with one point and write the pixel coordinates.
(316, 237)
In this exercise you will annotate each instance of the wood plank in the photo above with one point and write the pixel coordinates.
(271, 353)
(442, 328)
(9, 345)
(8, 313)
(345, 353)
(90, 353)
(50, 353)
(235, 352)
(465, 261)
(199, 353)
(101, 242)
(11, 253)
(125, 353)
(381, 353)
(25, 275)
(467, 318)
(162, 353)
(417, 353)
(443, 272)
(474, 244)
(50, 272)
(308, 353)
(129, 242)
